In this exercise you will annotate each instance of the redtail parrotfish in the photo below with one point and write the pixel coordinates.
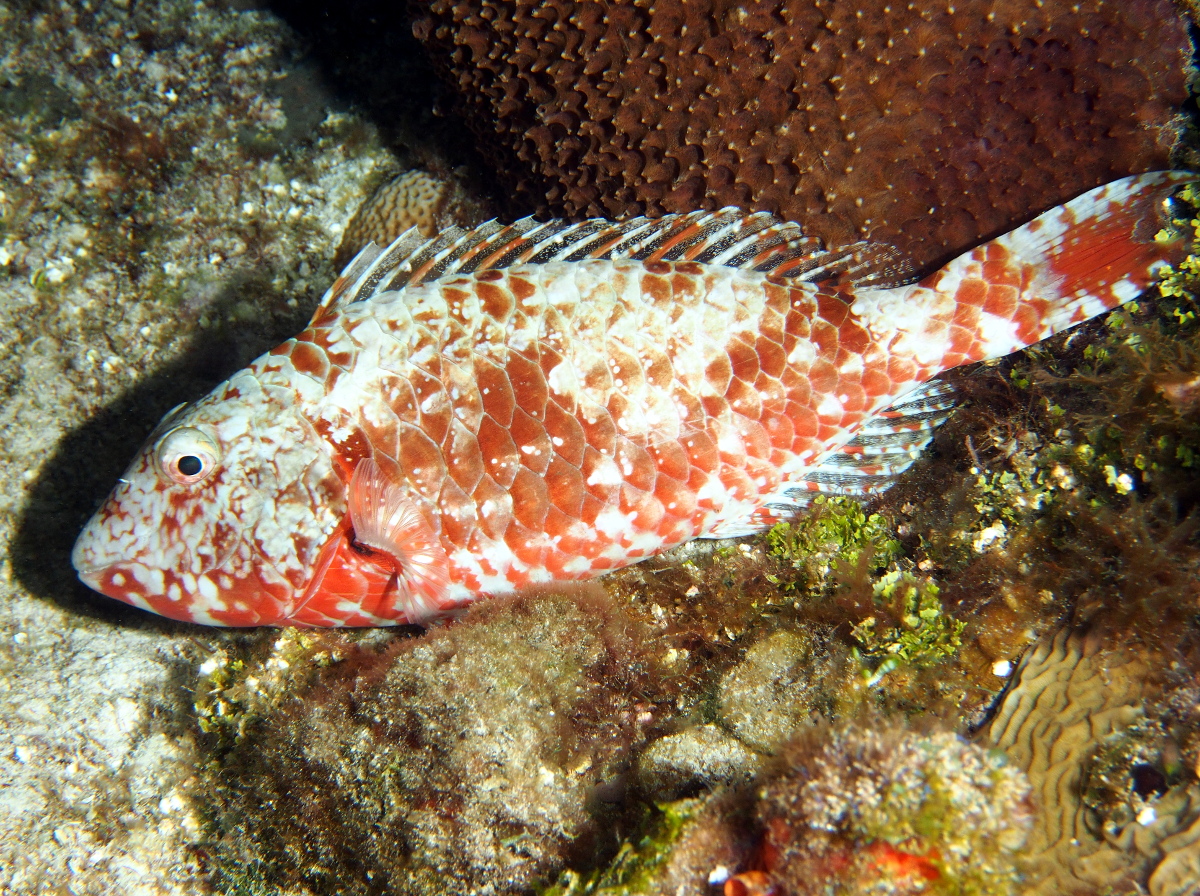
(541, 402)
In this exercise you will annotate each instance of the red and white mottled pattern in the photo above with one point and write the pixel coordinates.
(553, 421)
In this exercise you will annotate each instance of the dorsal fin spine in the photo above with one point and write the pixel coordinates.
(729, 237)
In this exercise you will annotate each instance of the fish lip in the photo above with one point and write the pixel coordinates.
(93, 578)
(90, 573)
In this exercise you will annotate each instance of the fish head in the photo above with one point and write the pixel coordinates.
(221, 516)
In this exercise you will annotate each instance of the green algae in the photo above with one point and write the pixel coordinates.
(839, 541)
(925, 635)
(640, 861)
(834, 537)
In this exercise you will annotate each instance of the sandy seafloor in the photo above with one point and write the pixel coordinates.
(174, 182)
(146, 188)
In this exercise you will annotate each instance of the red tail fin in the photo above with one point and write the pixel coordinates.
(1067, 265)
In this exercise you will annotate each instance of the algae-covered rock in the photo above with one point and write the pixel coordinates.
(684, 848)
(704, 756)
(854, 808)
(785, 680)
(475, 759)
(864, 808)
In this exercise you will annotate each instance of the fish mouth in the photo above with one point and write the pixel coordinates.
(208, 598)
(94, 575)
(93, 578)
(88, 559)
(102, 578)
(88, 570)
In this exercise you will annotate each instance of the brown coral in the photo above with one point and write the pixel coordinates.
(1179, 871)
(925, 127)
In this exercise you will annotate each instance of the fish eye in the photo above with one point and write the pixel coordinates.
(186, 455)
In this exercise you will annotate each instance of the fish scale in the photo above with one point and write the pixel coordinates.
(539, 402)
(568, 418)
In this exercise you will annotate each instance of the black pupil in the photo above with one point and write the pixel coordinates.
(189, 465)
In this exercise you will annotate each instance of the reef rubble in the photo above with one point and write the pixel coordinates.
(173, 185)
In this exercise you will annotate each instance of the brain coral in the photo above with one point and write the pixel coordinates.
(1072, 693)
(925, 125)
(416, 198)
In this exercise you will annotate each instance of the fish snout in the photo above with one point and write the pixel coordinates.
(87, 556)
(123, 565)
(99, 563)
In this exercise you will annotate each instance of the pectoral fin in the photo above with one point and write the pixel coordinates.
(387, 520)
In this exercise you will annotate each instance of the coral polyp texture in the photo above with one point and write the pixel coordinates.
(928, 126)
(415, 198)
(410, 199)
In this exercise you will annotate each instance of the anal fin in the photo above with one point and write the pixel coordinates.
(884, 447)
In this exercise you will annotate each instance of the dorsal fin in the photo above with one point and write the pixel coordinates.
(349, 276)
(731, 237)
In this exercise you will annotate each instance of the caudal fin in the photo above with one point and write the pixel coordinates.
(1067, 265)
(1103, 244)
